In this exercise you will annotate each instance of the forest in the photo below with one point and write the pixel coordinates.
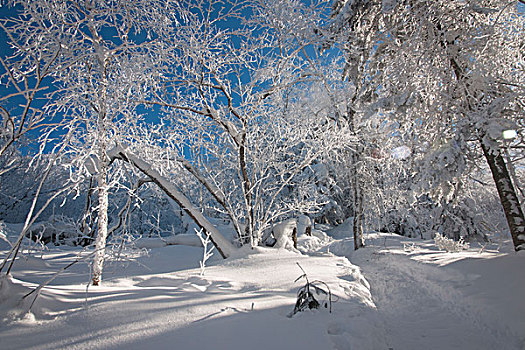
(202, 155)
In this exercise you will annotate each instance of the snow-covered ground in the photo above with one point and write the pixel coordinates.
(429, 299)
(394, 294)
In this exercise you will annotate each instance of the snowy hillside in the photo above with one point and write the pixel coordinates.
(394, 294)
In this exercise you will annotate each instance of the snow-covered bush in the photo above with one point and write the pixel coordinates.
(306, 298)
(449, 245)
(410, 247)
(59, 230)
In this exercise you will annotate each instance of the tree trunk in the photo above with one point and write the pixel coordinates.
(508, 197)
(358, 204)
(103, 164)
(102, 224)
(248, 196)
(86, 226)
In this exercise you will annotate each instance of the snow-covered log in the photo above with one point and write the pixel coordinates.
(181, 239)
(223, 246)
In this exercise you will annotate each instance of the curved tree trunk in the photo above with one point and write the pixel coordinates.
(223, 246)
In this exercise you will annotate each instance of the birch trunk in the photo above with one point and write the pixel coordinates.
(102, 138)
(102, 224)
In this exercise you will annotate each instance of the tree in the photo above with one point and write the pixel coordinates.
(361, 70)
(454, 68)
(236, 92)
(102, 53)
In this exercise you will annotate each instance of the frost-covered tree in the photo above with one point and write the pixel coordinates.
(355, 37)
(102, 54)
(453, 71)
(235, 88)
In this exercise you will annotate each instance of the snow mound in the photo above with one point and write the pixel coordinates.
(12, 307)
(283, 232)
(315, 242)
(160, 300)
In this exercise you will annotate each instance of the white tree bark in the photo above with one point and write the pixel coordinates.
(103, 188)
(102, 224)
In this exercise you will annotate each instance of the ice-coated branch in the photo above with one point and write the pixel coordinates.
(207, 253)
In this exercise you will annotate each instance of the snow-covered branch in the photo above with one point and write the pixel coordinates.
(224, 247)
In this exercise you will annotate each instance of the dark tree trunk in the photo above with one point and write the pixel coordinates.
(508, 197)
(358, 204)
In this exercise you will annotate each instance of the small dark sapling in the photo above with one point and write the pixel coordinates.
(306, 298)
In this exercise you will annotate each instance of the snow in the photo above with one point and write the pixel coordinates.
(401, 152)
(303, 222)
(431, 299)
(283, 232)
(396, 293)
(180, 239)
